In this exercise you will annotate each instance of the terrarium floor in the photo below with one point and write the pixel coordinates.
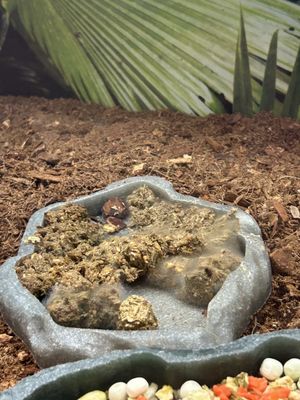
(56, 150)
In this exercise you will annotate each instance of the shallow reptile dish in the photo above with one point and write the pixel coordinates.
(243, 293)
(72, 380)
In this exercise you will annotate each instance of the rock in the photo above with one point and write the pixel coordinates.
(136, 387)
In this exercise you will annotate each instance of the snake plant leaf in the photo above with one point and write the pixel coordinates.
(153, 54)
(269, 83)
(291, 103)
(242, 91)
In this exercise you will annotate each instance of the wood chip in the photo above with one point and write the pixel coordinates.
(157, 133)
(23, 356)
(19, 180)
(216, 146)
(185, 159)
(279, 207)
(4, 338)
(6, 123)
(45, 177)
(138, 168)
(281, 259)
(295, 212)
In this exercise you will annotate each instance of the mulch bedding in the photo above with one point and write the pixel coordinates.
(57, 150)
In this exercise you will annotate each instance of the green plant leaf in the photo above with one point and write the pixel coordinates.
(292, 100)
(4, 23)
(269, 83)
(242, 91)
(153, 54)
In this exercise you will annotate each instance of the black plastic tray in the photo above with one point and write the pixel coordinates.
(72, 380)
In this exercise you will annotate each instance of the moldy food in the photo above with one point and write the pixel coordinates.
(241, 387)
(82, 263)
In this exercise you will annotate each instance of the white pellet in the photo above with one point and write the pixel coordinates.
(292, 368)
(118, 391)
(188, 387)
(136, 387)
(271, 369)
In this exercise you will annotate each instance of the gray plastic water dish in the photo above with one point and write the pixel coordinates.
(72, 380)
(244, 291)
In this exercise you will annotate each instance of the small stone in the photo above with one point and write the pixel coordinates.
(94, 395)
(118, 391)
(23, 356)
(165, 393)
(136, 387)
(136, 313)
(271, 369)
(189, 387)
(114, 207)
(292, 368)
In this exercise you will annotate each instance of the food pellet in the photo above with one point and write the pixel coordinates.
(276, 382)
(136, 387)
(271, 369)
(118, 391)
(189, 387)
(292, 368)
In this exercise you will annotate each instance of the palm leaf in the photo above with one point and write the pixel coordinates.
(3, 26)
(153, 54)
(269, 83)
(242, 91)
